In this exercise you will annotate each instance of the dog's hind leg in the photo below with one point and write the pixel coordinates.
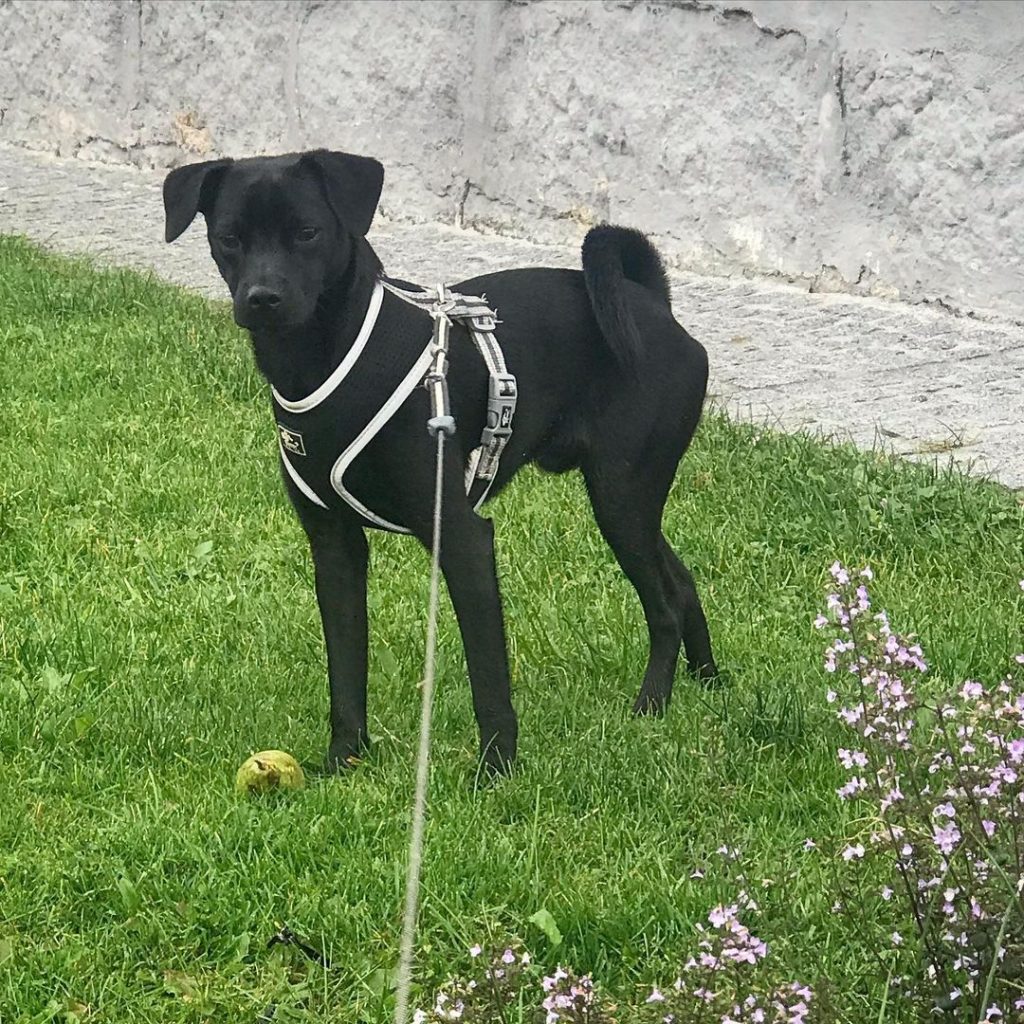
(696, 639)
(628, 513)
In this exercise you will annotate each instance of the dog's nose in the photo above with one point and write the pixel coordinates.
(263, 299)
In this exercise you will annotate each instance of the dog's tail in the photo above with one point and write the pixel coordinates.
(610, 256)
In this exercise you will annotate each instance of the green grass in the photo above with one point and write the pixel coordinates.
(158, 624)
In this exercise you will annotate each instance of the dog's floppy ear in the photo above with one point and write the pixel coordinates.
(353, 185)
(187, 191)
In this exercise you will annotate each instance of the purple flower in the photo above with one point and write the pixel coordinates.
(892, 796)
(855, 785)
(947, 837)
(839, 574)
(851, 716)
(851, 758)
(720, 915)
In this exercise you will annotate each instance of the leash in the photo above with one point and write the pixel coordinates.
(441, 425)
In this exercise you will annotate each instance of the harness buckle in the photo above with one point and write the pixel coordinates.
(440, 310)
(485, 322)
(501, 407)
(444, 303)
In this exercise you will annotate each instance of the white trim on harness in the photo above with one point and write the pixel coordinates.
(329, 386)
(298, 481)
(366, 435)
(501, 401)
(501, 404)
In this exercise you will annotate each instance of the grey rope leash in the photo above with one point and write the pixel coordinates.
(419, 810)
(440, 425)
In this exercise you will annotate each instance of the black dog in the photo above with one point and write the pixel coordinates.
(608, 382)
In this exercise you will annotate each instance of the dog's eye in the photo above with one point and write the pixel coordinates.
(307, 234)
(229, 241)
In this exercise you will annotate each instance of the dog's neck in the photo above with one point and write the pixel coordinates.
(297, 360)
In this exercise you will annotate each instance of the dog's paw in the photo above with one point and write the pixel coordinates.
(711, 677)
(650, 705)
(497, 762)
(345, 757)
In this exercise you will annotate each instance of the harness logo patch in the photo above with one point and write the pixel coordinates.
(291, 441)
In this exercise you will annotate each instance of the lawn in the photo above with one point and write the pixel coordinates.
(158, 624)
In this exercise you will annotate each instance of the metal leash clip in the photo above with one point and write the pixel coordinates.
(436, 380)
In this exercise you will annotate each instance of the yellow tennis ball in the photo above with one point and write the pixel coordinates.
(269, 769)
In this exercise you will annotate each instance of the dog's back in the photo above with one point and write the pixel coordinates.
(585, 344)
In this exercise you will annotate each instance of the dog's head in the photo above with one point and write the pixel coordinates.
(281, 229)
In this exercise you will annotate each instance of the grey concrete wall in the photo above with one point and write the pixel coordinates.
(873, 146)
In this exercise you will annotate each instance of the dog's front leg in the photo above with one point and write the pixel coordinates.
(467, 560)
(340, 557)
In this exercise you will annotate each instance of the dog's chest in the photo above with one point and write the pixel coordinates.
(321, 435)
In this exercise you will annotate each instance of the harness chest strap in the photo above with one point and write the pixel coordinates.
(502, 390)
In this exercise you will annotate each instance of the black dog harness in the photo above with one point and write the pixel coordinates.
(321, 435)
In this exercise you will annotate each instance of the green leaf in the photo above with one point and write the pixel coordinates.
(546, 923)
(14, 688)
(178, 983)
(130, 900)
(241, 946)
(53, 681)
(83, 723)
(388, 662)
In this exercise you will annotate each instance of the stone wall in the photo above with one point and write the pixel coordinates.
(863, 146)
